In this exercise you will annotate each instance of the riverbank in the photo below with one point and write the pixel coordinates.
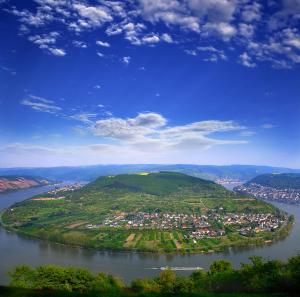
(249, 242)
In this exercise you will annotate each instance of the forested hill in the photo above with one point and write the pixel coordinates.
(162, 183)
(279, 181)
(12, 183)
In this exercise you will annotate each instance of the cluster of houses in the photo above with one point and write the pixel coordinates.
(269, 193)
(206, 233)
(145, 220)
(196, 226)
(247, 224)
(66, 188)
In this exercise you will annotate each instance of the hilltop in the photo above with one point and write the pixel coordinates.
(162, 183)
(278, 180)
(161, 212)
(13, 182)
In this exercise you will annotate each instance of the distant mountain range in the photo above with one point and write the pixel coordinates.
(13, 182)
(278, 181)
(89, 173)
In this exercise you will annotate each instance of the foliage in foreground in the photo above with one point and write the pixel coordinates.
(259, 276)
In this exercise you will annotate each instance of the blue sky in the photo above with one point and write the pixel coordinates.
(164, 81)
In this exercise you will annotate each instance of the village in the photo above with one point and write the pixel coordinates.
(65, 188)
(208, 225)
(269, 193)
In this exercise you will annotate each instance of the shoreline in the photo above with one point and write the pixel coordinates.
(257, 242)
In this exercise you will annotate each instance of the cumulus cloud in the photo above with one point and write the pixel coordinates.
(246, 60)
(47, 42)
(126, 60)
(94, 16)
(266, 31)
(102, 43)
(251, 12)
(151, 130)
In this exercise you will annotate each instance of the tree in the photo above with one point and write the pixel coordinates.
(22, 276)
(200, 280)
(145, 286)
(220, 266)
(166, 280)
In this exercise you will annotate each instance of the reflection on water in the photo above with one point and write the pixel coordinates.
(16, 250)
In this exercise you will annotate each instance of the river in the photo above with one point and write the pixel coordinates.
(15, 250)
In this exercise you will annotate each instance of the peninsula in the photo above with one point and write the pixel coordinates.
(157, 212)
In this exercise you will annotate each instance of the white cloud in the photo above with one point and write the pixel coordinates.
(150, 129)
(101, 55)
(201, 22)
(57, 52)
(79, 44)
(246, 60)
(224, 30)
(94, 16)
(147, 137)
(41, 104)
(251, 12)
(126, 60)
(84, 117)
(150, 39)
(167, 38)
(102, 43)
(207, 53)
(47, 42)
(246, 30)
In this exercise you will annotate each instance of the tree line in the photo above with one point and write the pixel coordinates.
(257, 276)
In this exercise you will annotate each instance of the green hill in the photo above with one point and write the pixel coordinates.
(279, 181)
(158, 212)
(162, 183)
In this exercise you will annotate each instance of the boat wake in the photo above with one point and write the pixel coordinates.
(176, 268)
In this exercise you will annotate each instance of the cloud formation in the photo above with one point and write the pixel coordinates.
(257, 32)
(41, 104)
(151, 131)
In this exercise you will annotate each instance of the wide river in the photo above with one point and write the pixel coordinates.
(15, 250)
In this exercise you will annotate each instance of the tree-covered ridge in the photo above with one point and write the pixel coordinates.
(162, 183)
(157, 212)
(258, 276)
(278, 181)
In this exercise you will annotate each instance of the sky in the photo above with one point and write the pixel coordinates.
(149, 81)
